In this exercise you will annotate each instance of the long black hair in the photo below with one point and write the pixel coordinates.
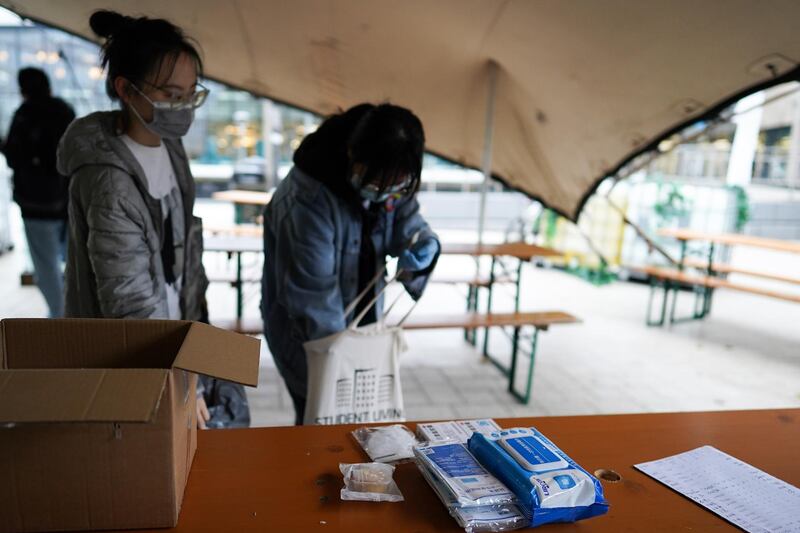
(137, 48)
(390, 142)
(387, 139)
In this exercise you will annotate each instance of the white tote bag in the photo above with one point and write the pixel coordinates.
(354, 375)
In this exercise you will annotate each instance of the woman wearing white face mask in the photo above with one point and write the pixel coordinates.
(135, 248)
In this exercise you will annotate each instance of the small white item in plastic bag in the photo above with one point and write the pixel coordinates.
(370, 482)
(387, 444)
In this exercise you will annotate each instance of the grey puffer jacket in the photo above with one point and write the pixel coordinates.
(114, 262)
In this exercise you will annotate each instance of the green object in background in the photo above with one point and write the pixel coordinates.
(742, 207)
(596, 276)
(546, 224)
(672, 206)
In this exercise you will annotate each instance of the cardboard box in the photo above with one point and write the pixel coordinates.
(98, 418)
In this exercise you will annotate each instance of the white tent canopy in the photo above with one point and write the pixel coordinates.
(581, 85)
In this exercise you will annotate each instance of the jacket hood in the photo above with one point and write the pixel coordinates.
(91, 140)
(323, 154)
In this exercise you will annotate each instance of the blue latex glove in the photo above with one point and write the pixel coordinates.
(419, 256)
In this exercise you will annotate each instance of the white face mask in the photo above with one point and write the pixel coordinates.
(170, 121)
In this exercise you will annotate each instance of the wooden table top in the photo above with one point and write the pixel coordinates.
(732, 239)
(520, 250)
(287, 479)
(541, 319)
(249, 240)
(233, 243)
(243, 197)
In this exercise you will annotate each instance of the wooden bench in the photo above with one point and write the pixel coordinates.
(539, 321)
(703, 284)
(722, 268)
(714, 282)
(705, 276)
(245, 326)
(477, 281)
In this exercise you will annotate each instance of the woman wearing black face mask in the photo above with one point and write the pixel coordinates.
(348, 203)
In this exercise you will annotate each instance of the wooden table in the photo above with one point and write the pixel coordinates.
(522, 252)
(243, 197)
(235, 245)
(518, 250)
(683, 234)
(287, 479)
(714, 274)
(249, 240)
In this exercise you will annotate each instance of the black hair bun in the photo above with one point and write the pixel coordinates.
(107, 23)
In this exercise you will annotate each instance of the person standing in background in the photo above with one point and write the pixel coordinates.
(39, 190)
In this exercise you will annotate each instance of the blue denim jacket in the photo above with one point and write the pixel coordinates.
(311, 250)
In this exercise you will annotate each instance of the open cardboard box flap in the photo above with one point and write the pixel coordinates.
(219, 353)
(81, 395)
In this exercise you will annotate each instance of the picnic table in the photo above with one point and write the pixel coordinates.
(235, 246)
(243, 197)
(248, 205)
(519, 326)
(242, 239)
(706, 275)
(287, 478)
(500, 272)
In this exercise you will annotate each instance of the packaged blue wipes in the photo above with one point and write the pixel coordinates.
(474, 518)
(549, 485)
(467, 481)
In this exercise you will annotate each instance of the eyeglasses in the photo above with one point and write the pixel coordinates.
(400, 189)
(177, 101)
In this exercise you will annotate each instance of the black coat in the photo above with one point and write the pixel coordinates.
(30, 151)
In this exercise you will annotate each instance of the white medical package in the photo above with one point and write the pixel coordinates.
(456, 430)
(479, 518)
(387, 444)
(463, 477)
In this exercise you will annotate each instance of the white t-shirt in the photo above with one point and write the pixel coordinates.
(162, 185)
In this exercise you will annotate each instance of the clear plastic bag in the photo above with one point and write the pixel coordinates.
(477, 519)
(490, 518)
(387, 444)
(466, 481)
(371, 482)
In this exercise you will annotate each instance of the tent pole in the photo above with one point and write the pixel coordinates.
(486, 160)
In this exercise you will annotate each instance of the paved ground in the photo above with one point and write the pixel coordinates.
(746, 355)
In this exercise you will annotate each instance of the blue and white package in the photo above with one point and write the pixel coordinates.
(469, 483)
(475, 519)
(549, 485)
